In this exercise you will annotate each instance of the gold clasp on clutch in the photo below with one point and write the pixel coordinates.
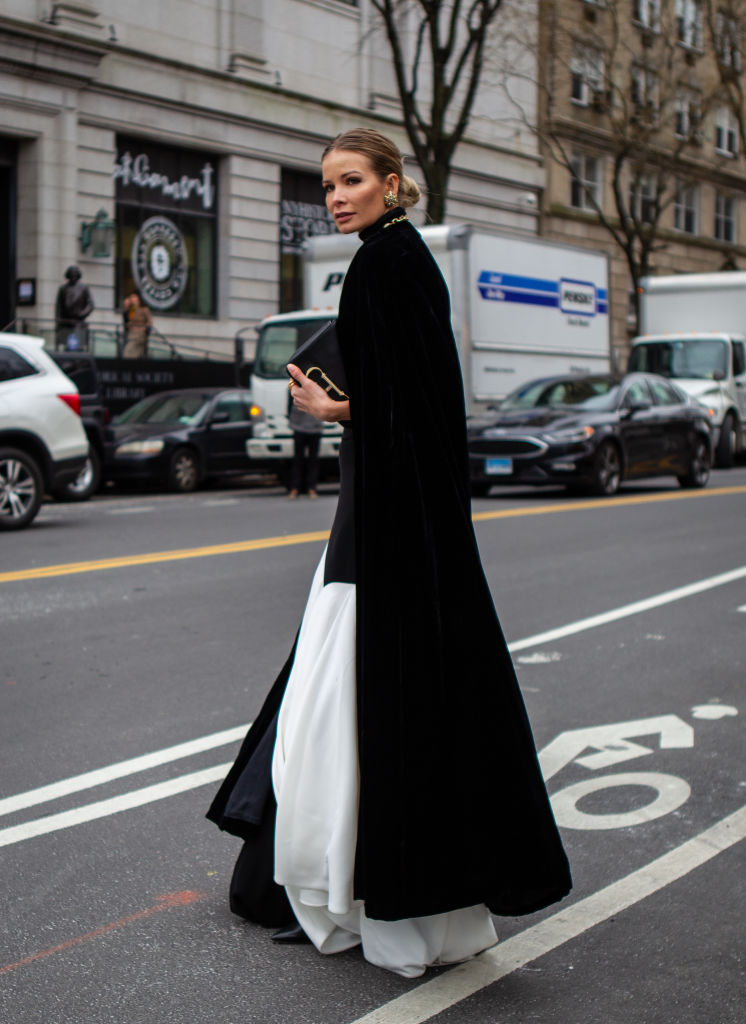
(326, 383)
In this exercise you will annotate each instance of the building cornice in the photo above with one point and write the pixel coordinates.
(46, 53)
(336, 109)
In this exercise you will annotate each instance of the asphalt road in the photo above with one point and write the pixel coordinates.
(136, 624)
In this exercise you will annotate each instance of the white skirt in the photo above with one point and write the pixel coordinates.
(315, 779)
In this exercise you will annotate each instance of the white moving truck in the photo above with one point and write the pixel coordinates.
(694, 327)
(521, 308)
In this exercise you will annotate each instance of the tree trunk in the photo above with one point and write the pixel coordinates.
(436, 176)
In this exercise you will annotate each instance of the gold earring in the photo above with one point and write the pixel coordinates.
(391, 198)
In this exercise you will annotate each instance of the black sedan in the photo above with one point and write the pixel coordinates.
(180, 438)
(590, 432)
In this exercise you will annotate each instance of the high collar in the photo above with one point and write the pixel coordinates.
(377, 227)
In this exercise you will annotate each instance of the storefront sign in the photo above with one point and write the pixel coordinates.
(299, 221)
(159, 263)
(136, 171)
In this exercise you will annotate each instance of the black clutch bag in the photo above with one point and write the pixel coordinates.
(319, 358)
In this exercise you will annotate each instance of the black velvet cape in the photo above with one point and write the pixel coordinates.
(453, 808)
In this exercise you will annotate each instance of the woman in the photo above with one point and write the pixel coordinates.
(409, 799)
(138, 322)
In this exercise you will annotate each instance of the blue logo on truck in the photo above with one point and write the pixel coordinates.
(576, 298)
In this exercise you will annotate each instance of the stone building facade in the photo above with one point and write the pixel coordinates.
(640, 76)
(195, 128)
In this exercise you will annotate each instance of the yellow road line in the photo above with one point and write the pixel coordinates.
(126, 561)
(635, 499)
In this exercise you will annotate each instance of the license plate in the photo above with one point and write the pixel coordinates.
(498, 467)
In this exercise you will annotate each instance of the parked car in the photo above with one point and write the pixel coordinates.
(590, 432)
(180, 438)
(81, 368)
(43, 445)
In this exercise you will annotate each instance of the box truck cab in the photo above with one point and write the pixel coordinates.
(521, 307)
(695, 326)
(278, 337)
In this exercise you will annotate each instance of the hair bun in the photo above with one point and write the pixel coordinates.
(409, 191)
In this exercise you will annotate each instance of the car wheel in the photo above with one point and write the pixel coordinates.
(699, 465)
(607, 469)
(85, 483)
(21, 489)
(183, 471)
(726, 447)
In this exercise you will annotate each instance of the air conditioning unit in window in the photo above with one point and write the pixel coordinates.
(599, 100)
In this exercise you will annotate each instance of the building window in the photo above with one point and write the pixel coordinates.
(584, 182)
(687, 117)
(726, 132)
(727, 41)
(644, 88)
(647, 13)
(689, 23)
(303, 214)
(685, 209)
(725, 217)
(643, 202)
(166, 203)
(587, 76)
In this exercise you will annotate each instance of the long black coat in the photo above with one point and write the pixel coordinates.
(453, 809)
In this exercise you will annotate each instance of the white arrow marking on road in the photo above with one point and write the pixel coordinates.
(613, 743)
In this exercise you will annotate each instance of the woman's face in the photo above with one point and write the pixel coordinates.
(354, 192)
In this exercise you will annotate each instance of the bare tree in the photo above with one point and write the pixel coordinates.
(627, 94)
(437, 78)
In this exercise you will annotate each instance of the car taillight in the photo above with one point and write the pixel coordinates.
(73, 401)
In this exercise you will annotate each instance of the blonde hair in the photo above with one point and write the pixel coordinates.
(384, 157)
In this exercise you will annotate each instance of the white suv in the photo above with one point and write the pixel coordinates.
(42, 441)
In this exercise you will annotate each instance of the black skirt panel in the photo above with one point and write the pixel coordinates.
(340, 552)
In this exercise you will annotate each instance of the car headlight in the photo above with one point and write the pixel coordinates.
(140, 448)
(571, 435)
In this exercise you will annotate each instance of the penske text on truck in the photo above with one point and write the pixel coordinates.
(521, 307)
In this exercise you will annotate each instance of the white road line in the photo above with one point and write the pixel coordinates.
(433, 997)
(116, 771)
(103, 808)
(630, 609)
(131, 510)
(99, 776)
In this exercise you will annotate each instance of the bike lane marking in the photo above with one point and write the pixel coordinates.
(193, 780)
(436, 996)
(238, 547)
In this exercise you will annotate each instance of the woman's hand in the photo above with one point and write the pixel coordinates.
(310, 398)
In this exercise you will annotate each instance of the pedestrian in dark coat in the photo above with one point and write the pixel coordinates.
(304, 469)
